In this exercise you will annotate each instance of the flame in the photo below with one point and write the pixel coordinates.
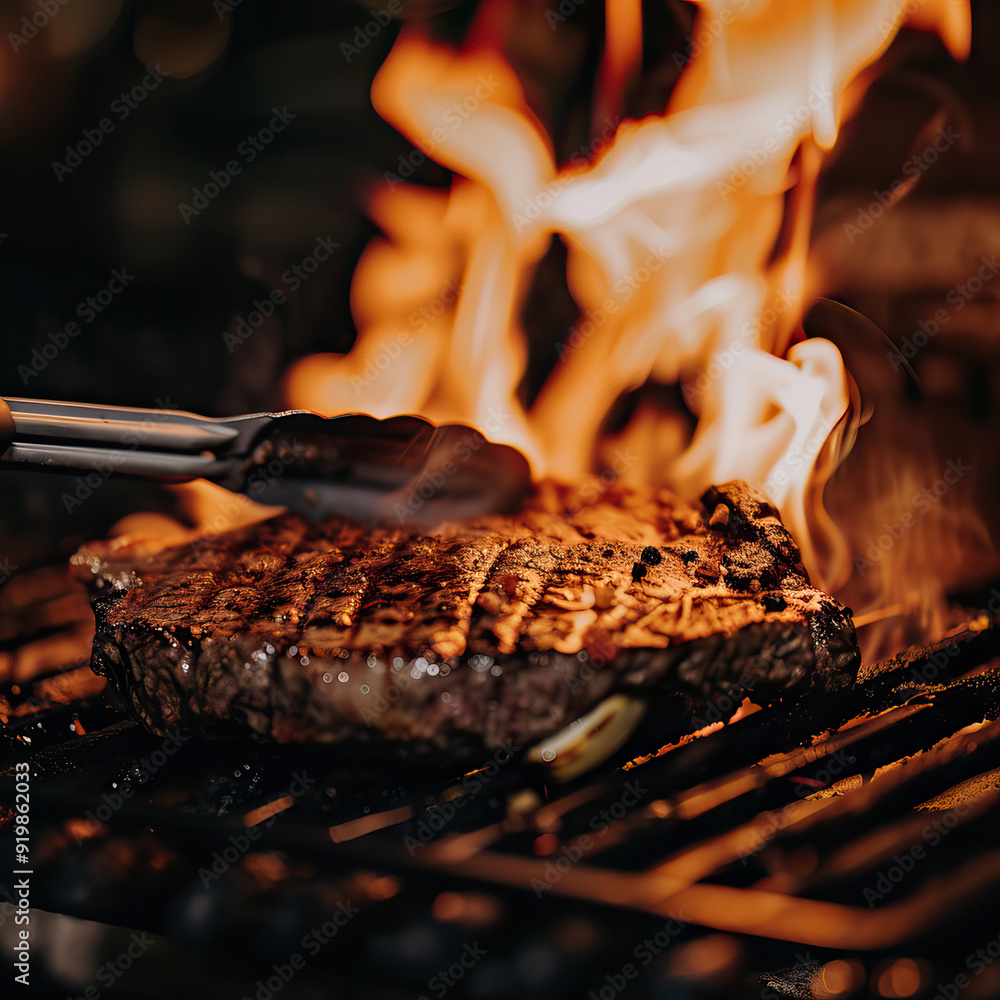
(922, 537)
(687, 240)
(622, 56)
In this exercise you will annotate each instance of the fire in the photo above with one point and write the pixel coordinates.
(687, 240)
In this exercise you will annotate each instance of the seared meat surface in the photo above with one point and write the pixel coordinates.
(505, 628)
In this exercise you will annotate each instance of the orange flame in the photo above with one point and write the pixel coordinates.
(687, 252)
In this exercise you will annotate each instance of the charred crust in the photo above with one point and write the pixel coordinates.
(773, 602)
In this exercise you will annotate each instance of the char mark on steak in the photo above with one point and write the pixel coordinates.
(505, 628)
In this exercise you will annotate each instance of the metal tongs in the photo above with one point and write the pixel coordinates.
(398, 469)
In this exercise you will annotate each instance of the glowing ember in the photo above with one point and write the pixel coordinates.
(687, 254)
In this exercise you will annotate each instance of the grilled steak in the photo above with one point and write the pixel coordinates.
(503, 628)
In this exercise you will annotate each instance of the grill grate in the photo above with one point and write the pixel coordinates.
(845, 845)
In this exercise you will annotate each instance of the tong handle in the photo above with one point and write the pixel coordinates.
(161, 465)
(125, 426)
(163, 444)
